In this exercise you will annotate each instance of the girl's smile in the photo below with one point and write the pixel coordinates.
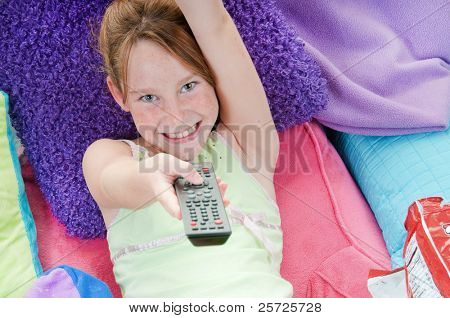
(185, 135)
(173, 107)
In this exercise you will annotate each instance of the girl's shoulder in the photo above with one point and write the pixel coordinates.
(141, 148)
(264, 177)
(226, 134)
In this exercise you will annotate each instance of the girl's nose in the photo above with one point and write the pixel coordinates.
(173, 115)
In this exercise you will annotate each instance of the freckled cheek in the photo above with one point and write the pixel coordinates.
(205, 104)
(146, 118)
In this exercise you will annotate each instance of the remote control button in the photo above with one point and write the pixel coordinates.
(196, 200)
(191, 196)
(206, 183)
(220, 227)
(207, 191)
(190, 191)
(205, 200)
(203, 228)
(195, 228)
(219, 221)
(189, 205)
(210, 187)
(214, 200)
(214, 203)
(193, 223)
(208, 195)
(202, 223)
(188, 201)
(212, 228)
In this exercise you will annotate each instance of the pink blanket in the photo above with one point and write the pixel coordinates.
(331, 239)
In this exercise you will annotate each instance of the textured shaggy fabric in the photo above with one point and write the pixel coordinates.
(60, 103)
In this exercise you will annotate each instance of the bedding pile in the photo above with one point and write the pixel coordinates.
(60, 102)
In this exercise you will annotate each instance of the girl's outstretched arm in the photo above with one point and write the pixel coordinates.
(244, 108)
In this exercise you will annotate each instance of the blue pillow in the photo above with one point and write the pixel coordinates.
(393, 172)
(65, 281)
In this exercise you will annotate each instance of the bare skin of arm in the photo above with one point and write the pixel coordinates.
(116, 180)
(244, 108)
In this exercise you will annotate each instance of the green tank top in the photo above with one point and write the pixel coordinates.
(152, 257)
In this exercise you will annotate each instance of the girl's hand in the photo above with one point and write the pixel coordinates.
(167, 169)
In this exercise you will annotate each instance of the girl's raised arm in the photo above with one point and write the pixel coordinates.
(244, 108)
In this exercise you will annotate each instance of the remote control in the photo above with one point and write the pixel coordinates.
(204, 216)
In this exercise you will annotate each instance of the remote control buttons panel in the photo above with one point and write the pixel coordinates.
(204, 216)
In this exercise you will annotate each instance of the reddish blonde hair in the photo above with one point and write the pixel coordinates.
(127, 21)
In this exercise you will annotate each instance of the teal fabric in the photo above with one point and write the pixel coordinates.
(19, 262)
(25, 210)
(393, 172)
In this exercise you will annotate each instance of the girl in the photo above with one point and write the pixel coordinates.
(182, 71)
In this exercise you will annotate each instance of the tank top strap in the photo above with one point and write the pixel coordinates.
(138, 151)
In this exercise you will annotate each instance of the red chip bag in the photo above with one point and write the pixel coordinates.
(427, 248)
(426, 252)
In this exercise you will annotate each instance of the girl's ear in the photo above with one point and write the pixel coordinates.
(117, 94)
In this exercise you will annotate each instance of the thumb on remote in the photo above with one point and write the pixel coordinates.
(193, 176)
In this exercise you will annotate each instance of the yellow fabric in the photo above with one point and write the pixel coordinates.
(17, 270)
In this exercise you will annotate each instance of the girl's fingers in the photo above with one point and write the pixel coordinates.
(223, 187)
(169, 201)
(173, 167)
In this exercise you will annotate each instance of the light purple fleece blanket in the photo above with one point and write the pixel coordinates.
(386, 62)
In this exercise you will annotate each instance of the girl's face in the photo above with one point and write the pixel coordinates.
(173, 109)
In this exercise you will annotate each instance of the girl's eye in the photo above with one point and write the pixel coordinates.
(148, 98)
(188, 87)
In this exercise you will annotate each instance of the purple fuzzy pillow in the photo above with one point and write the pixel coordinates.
(60, 103)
